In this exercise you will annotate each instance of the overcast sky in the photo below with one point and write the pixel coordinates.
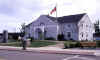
(15, 12)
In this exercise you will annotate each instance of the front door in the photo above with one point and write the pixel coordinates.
(38, 34)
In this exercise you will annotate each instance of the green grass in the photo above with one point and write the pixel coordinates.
(41, 43)
(17, 44)
(33, 44)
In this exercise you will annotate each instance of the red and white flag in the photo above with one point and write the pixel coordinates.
(53, 10)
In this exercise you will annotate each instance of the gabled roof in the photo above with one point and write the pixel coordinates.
(68, 19)
(65, 19)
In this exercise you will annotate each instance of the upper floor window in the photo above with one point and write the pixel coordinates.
(69, 25)
(41, 24)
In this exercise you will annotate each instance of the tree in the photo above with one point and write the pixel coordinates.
(22, 30)
(96, 26)
(60, 37)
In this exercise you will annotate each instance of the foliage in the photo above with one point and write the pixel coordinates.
(96, 27)
(50, 38)
(22, 30)
(32, 39)
(72, 40)
(61, 37)
(69, 44)
(78, 44)
(98, 43)
(13, 35)
(12, 40)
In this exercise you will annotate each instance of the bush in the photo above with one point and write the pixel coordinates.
(12, 40)
(78, 44)
(69, 44)
(66, 45)
(32, 39)
(98, 43)
(61, 37)
(50, 38)
(72, 40)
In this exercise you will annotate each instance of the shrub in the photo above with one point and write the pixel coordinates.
(78, 44)
(98, 43)
(61, 37)
(50, 38)
(32, 39)
(66, 45)
(69, 44)
(71, 40)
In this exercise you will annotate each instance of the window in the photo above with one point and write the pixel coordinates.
(82, 25)
(69, 34)
(86, 35)
(69, 25)
(82, 34)
(42, 24)
(45, 33)
(86, 25)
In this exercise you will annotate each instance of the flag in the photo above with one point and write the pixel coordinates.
(53, 10)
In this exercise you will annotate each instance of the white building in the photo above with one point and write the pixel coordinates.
(76, 27)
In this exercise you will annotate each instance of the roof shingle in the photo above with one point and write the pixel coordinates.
(68, 19)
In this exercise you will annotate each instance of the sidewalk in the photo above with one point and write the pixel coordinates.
(54, 50)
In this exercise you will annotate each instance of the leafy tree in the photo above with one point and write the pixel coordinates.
(96, 26)
(61, 37)
(22, 30)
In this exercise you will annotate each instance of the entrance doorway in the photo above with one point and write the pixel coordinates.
(38, 34)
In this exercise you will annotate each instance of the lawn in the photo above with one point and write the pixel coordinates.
(17, 44)
(41, 43)
(33, 44)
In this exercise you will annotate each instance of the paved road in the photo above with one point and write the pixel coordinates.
(18, 55)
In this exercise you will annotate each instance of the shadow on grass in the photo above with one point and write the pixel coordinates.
(33, 44)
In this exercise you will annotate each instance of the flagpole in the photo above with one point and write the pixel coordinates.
(56, 11)
(56, 21)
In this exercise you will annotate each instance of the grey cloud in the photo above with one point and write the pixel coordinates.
(19, 11)
(13, 7)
